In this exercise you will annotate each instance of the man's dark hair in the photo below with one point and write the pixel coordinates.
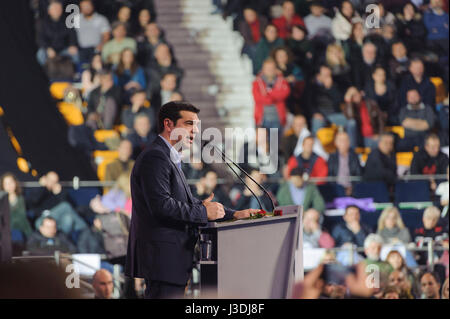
(431, 136)
(298, 171)
(350, 206)
(207, 171)
(137, 91)
(432, 273)
(168, 73)
(415, 59)
(171, 111)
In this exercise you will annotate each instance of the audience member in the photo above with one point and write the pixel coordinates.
(147, 46)
(287, 20)
(103, 285)
(391, 227)
(317, 23)
(252, 29)
(128, 74)
(372, 249)
(113, 48)
(139, 105)
(430, 285)
(207, 185)
(122, 164)
(142, 135)
(313, 235)
(351, 231)
(341, 25)
(266, 44)
(411, 29)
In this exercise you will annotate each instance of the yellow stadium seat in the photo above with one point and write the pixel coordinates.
(101, 168)
(106, 154)
(326, 137)
(440, 89)
(23, 165)
(122, 128)
(399, 130)
(404, 158)
(1, 111)
(57, 89)
(102, 135)
(71, 113)
(362, 150)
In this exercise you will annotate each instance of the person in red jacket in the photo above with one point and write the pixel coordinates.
(310, 162)
(287, 20)
(270, 91)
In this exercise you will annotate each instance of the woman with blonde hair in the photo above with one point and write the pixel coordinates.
(391, 227)
(340, 69)
(445, 289)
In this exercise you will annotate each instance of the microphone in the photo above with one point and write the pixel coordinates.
(225, 158)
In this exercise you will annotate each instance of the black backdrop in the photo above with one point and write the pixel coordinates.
(24, 96)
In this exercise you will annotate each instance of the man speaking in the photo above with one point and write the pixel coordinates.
(165, 215)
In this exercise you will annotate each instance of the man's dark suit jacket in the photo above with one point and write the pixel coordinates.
(165, 219)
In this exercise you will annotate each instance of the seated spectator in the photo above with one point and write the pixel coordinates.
(147, 46)
(17, 211)
(341, 25)
(270, 92)
(340, 69)
(352, 231)
(297, 191)
(207, 185)
(367, 114)
(445, 289)
(103, 285)
(391, 227)
(386, 18)
(139, 105)
(372, 249)
(430, 285)
(418, 119)
(313, 235)
(381, 164)
(300, 125)
(430, 230)
(139, 28)
(47, 239)
(266, 44)
(142, 135)
(90, 79)
(317, 23)
(364, 63)
(312, 164)
(167, 87)
(90, 240)
(430, 160)
(301, 47)
(353, 45)
(344, 162)
(411, 29)
(163, 64)
(401, 276)
(436, 22)
(287, 20)
(323, 99)
(399, 62)
(123, 15)
(55, 39)
(122, 164)
(252, 29)
(193, 169)
(93, 33)
(103, 103)
(392, 292)
(128, 74)
(244, 198)
(118, 199)
(416, 80)
(112, 49)
(442, 192)
(383, 92)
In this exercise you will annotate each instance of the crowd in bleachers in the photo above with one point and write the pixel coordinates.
(350, 101)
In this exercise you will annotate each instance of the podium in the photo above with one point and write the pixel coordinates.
(254, 259)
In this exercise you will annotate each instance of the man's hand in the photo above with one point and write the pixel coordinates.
(246, 213)
(214, 210)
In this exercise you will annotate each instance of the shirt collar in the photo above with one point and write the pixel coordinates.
(174, 155)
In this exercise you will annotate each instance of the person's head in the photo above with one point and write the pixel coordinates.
(97, 62)
(409, 11)
(324, 73)
(436, 4)
(335, 55)
(87, 7)
(347, 9)
(125, 150)
(311, 220)
(270, 33)
(430, 217)
(342, 142)
(395, 259)
(119, 30)
(127, 61)
(52, 179)
(413, 97)
(296, 177)
(445, 289)
(334, 291)
(48, 227)
(398, 50)
(308, 145)
(10, 184)
(123, 184)
(250, 15)
(124, 14)
(391, 292)
(103, 285)
(288, 10)
(142, 125)
(416, 67)
(351, 214)
(369, 52)
(162, 52)
(430, 285)
(282, 56)
(372, 246)
(55, 10)
(298, 124)
(269, 68)
(257, 176)
(106, 79)
(168, 82)
(152, 30)
(353, 95)
(181, 119)
(386, 143)
(138, 97)
(432, 145)
(210, 180)
(379, 74)
(390, 218)
(176, 97)
(299, 32)
(358, 32)
(144, 17)
(316, 8)
(397, 278)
